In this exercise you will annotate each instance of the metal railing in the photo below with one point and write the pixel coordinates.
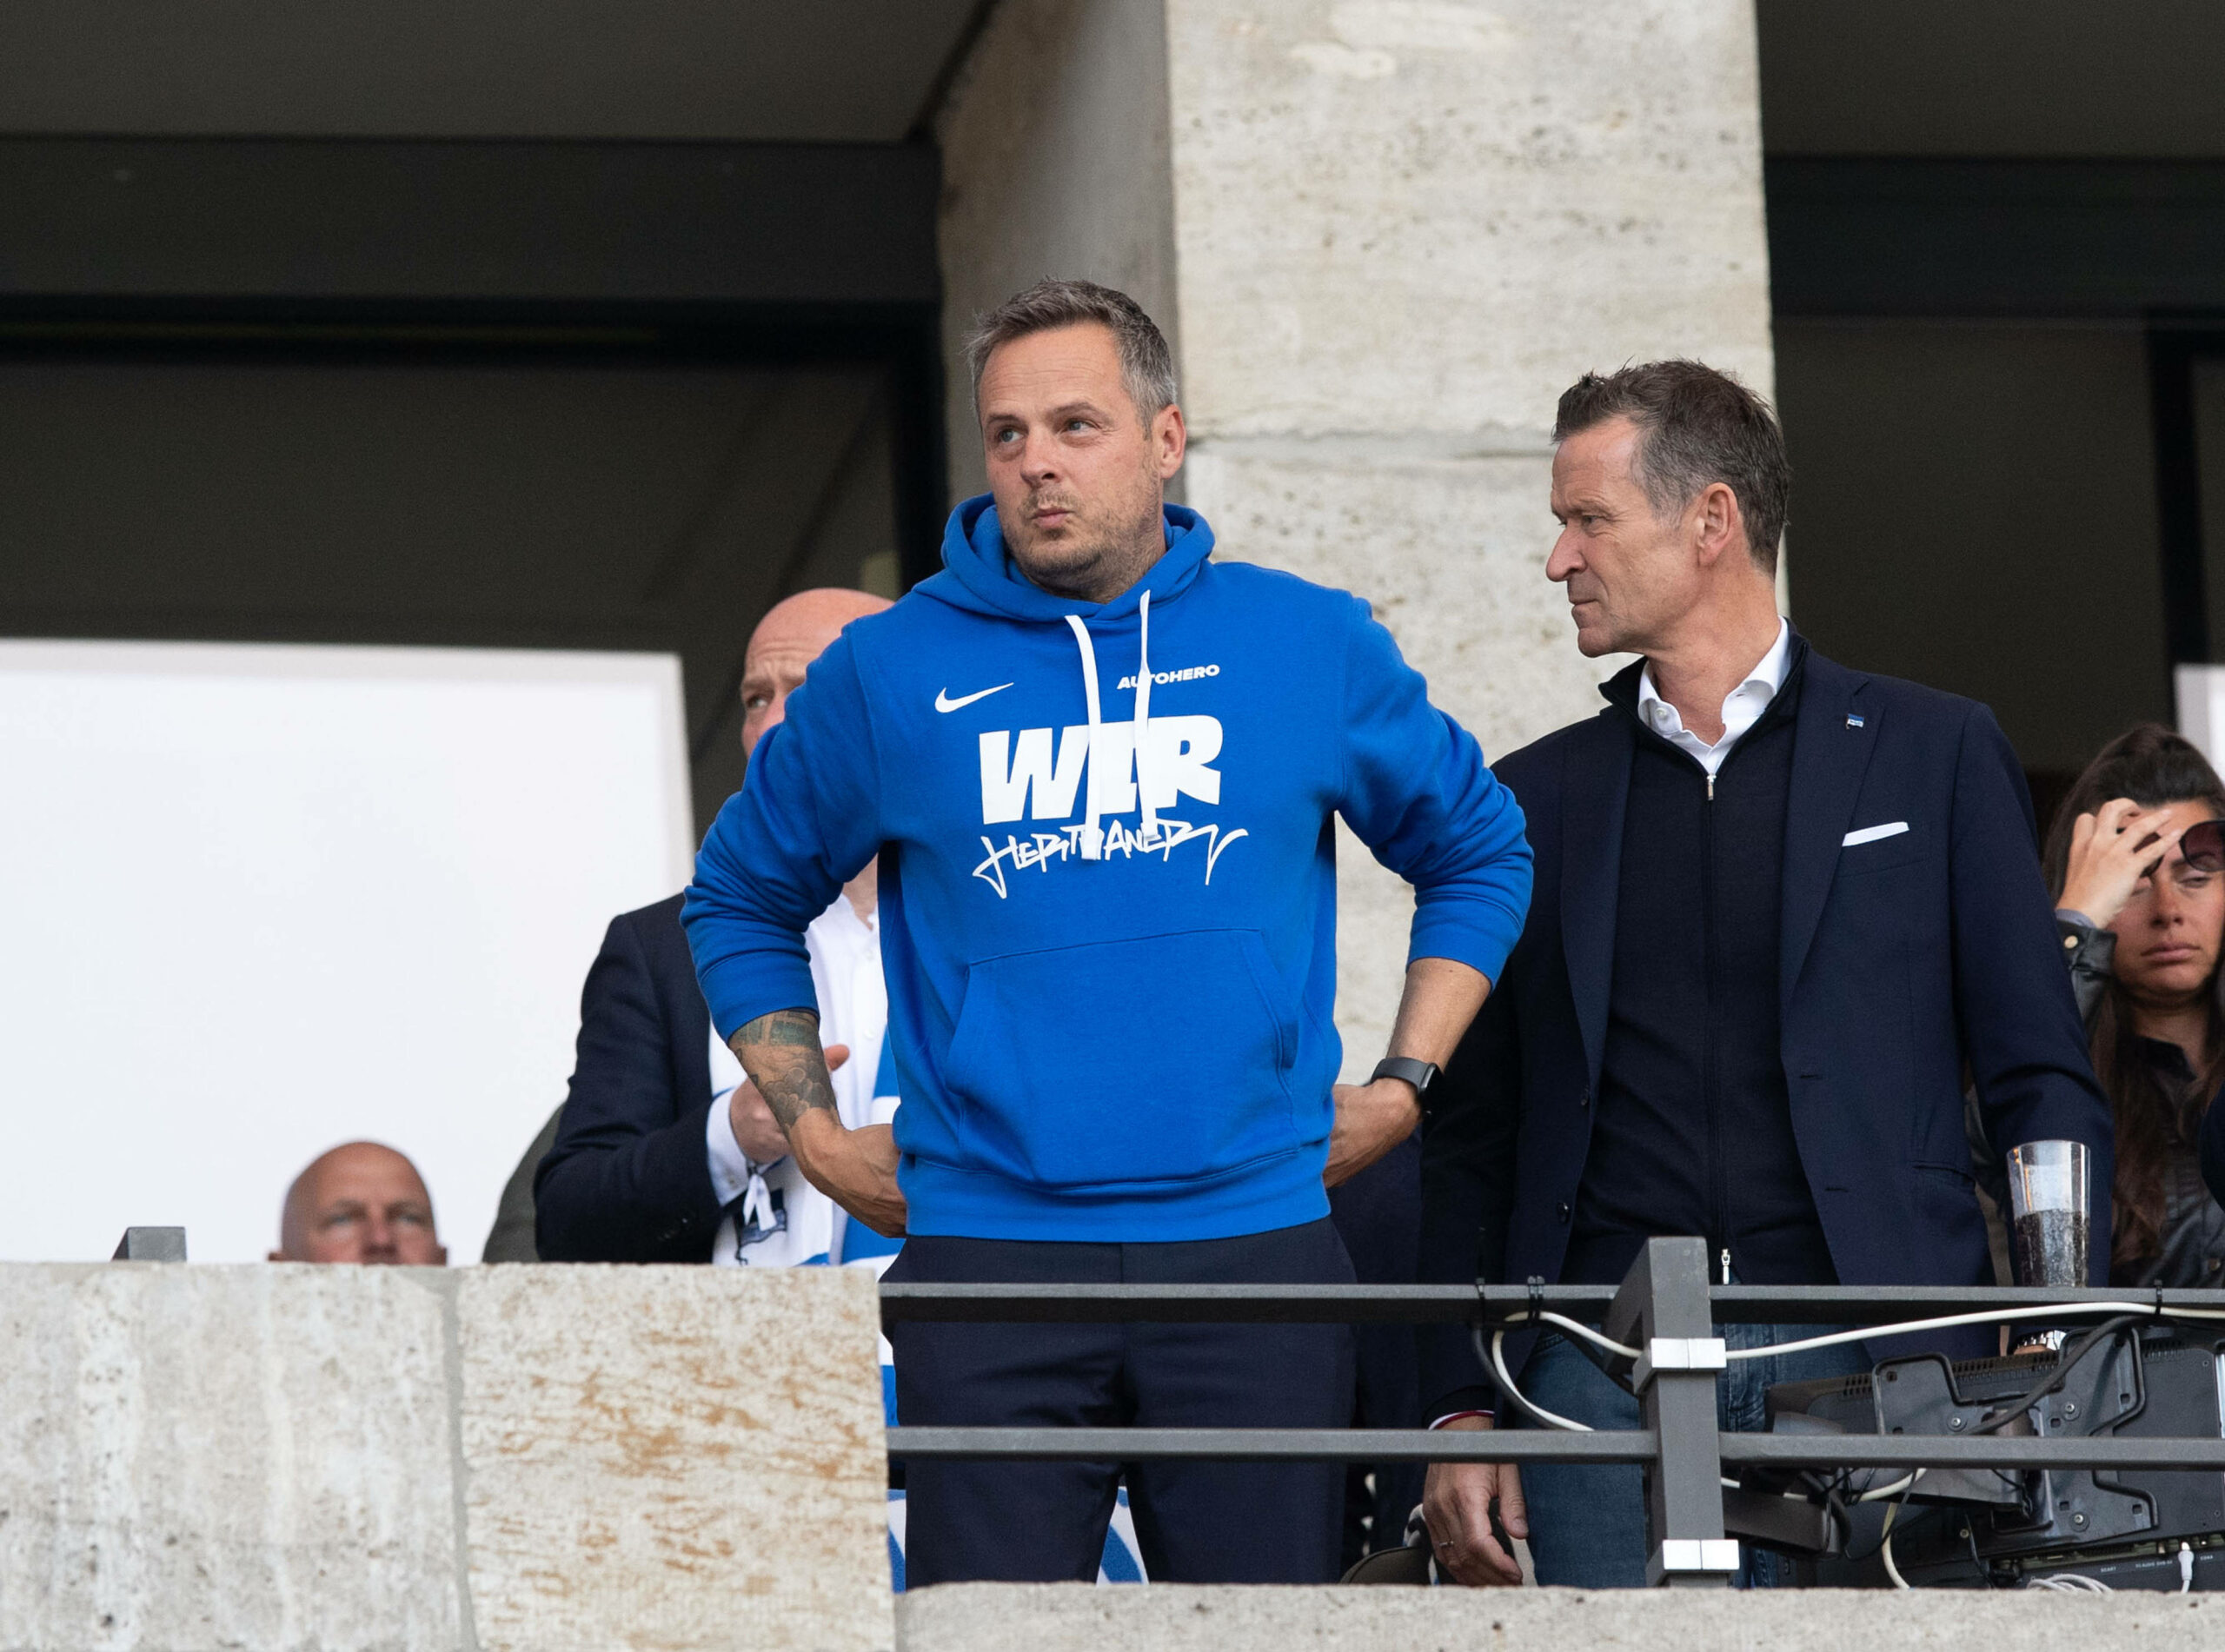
(1666, 1297)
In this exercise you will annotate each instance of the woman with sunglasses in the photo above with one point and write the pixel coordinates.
(2137, 857)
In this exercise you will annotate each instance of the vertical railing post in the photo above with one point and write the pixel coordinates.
(1662, 1310)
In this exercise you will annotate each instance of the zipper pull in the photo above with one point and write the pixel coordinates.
(1726, 1264)
(1710, 788)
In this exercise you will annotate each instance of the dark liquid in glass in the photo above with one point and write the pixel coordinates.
(2051, 1248)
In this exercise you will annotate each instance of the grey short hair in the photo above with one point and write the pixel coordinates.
(1696, 425)
(1146, 364)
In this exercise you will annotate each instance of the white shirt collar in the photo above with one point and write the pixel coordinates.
(1742, 707)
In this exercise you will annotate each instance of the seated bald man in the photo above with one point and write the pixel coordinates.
(362, 1202)
(663, 1151)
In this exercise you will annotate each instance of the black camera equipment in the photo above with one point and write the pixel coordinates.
(1985, 1528)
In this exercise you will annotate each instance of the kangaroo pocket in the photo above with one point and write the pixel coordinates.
(1160, 1059)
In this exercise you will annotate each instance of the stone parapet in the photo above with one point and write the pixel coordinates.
(500, 1457)
(1069, 1617)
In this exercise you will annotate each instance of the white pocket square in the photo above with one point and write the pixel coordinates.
(1870, 834)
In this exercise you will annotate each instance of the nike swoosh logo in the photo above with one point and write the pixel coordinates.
(944, 702)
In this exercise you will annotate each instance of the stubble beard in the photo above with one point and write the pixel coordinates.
(1095, 564)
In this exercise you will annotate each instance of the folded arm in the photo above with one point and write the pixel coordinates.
(855, 1168)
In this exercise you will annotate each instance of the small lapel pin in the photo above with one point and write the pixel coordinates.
(1852, 721)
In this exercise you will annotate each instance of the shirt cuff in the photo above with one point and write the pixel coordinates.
(2076, 919)
(729, 1165)
(1454, 1416)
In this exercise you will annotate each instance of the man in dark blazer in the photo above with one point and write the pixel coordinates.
(630, 1176)
(1780, 907)
(628, 1179)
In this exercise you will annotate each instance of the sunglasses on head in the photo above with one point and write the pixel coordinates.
(2203, 846)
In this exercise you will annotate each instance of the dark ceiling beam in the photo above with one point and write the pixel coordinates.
(832, 226)
(2030, 239)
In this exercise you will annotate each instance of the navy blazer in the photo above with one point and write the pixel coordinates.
(1902, 960)
(629, 1179)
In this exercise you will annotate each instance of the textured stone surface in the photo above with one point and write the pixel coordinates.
(197, 1458)
(1055, 142)
(1073, 1618)
(288, 1458)
(674, 1457)
(1428, 216)
(1403, 228)
(1384, 236)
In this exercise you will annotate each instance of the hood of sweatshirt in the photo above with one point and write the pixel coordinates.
(980, 576)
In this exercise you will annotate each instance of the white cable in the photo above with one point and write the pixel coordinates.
(1576, 1328)
(1885, 1549)
(1506, 1381)
(2071, 1583)
(2046, 1310)
(2186, 1568)
(1894, 1491)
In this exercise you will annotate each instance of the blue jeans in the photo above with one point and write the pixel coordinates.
(1587, 1521)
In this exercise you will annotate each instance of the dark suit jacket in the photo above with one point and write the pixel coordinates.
(628, 1179)
(1901, 960)
(512, 1238)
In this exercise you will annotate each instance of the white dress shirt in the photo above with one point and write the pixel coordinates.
(852, 1009)
(1742, 707)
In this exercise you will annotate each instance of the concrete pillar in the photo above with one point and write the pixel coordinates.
(1384, 235)
(287, 1457)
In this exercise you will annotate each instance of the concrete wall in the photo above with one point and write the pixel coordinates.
(1398, 231)
(502, 1457)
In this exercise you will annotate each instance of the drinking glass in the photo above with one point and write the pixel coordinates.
(2048, 1213)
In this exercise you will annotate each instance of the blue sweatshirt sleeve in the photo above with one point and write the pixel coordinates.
(1417, 792)
(806, 821)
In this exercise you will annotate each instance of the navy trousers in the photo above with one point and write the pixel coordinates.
(1379, 1215)
(1196, 1522)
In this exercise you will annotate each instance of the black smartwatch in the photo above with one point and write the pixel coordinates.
(1420, 1074)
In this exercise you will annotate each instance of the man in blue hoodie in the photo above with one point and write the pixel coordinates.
(1099, 772)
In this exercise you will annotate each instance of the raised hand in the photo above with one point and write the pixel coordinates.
(2111, 850)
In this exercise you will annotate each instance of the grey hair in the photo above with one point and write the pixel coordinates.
(1146, 363)
(1696, 425)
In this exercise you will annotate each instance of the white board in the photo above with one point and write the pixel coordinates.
(2200, 691)
(255, 900)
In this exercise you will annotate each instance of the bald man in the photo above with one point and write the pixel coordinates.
(663, 1151)
(362, 1202)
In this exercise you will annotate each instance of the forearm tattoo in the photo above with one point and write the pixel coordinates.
(782, 1054)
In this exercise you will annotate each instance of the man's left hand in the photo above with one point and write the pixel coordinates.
(1372, 1119)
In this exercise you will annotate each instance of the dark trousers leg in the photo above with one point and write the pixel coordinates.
(1232, 1523)
(1379, 1215)
(1020, 1522)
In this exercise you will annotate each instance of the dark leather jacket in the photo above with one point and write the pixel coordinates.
(2193, 1254)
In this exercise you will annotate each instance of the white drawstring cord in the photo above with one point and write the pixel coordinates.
(1145, 770)
(1093, 835)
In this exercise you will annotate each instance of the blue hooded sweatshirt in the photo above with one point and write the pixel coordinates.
(1107, 878)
